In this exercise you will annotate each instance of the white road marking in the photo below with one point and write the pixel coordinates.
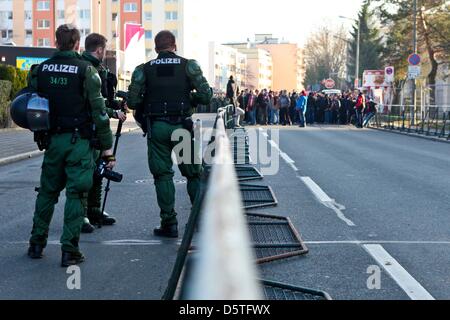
(125, 242)
(410, 285)
(361, 242)
(326, 200)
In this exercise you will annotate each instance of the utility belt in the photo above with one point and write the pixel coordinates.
(168, 109)
(185, 121)
(79, 129)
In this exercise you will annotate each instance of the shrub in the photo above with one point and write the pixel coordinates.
(5, 93)
(17, 77)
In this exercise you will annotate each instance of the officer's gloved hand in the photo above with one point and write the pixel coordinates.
(108, 154)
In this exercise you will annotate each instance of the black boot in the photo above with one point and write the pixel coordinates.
(35, 251)
(170, 231)
(87, 228)
(107, 220)
(94, 215)
(71, 258)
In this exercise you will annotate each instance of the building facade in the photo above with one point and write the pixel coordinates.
(224, 62)
(288, 65)
(279, 65)
(259, 72)
(33, 22)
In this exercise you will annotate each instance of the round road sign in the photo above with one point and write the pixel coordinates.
(329, 83)
(414, 59)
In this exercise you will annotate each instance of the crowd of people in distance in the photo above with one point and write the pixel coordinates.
(265, 107)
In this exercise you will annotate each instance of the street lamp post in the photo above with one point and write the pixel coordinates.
(414, 93)
(358, 44)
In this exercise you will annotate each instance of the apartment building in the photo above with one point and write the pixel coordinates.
(259, 74)
(224, 62)
(33, 22)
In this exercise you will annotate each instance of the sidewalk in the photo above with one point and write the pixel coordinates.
(18, 144)
(413, 134)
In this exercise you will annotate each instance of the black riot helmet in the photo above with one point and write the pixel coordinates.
(31, 111)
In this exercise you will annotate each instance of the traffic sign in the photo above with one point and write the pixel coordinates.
(329, 83)
(414, 59)
(414, 72)
(389, 74)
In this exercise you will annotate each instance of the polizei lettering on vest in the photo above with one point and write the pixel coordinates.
(60, 68)
(166, 61)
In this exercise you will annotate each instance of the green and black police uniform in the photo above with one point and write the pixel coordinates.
(109, 83)
(76, 106)
(165, 91)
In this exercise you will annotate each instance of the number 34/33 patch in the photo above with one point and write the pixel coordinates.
(60, 81)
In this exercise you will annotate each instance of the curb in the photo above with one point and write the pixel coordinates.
(3, 130)
(36, 153)
(19, 157)
(413, 135)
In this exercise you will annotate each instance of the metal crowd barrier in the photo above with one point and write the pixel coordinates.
(224, 268)
(428, 120)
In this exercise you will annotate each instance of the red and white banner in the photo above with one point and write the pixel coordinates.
(374, 79)
(134, 46)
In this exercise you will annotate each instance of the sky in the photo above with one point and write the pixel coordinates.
(293, 20)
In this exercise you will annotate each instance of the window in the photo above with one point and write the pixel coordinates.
(6, 34)
(171, 1)
(60, 14)
(130, 7)
(43, 24)
(114, 16)
(148, 52)
(84, 13)
(147, 1)
(28, 15)
(43, 5)
(29, 34)
(45, 42)
(175, 33)
(85, 32)
(148, 16)
(6, 15)
(148, 34)
(171, 15)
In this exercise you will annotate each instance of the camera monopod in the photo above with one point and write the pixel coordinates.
(123, 95)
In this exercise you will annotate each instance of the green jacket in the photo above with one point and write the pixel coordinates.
(92, 92)
(202, 94)
(102, 71)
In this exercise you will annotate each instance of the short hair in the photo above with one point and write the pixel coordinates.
(67, 36)
(165, 40)
(95, 41)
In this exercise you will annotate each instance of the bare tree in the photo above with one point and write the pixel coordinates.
(325, 55)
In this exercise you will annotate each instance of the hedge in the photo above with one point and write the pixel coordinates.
(17, 77)
(5, 93)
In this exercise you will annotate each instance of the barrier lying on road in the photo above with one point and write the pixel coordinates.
(274, 237)
(428, 120)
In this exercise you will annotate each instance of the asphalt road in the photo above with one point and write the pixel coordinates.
(395, 191)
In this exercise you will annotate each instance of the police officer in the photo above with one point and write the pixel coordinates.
(73, 88)
(163, 91)
(95, 52)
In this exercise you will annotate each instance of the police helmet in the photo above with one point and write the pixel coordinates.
(31, 111)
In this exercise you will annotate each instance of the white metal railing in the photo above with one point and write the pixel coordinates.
(225, 268)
